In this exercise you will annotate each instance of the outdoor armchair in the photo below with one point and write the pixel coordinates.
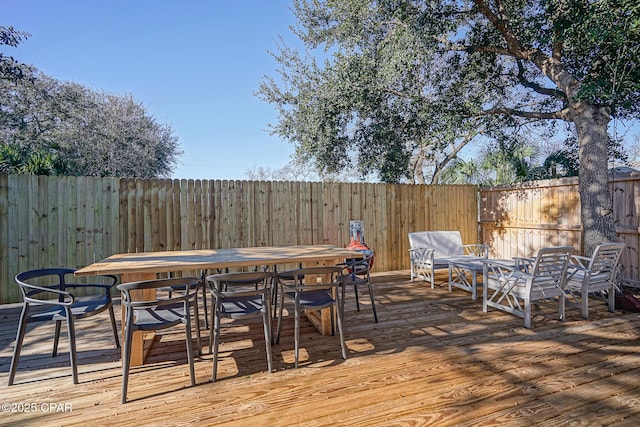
(237, 296)
(594, 276)
(181, 287)
(513, 288)
(48, 296)
(358, 272)
(158, 314)
(313, 288)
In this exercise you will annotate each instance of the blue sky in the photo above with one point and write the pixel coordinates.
(194, 65)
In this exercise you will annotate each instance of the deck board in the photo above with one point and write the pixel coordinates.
(433, 359)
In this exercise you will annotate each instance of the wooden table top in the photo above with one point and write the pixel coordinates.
(202, 259)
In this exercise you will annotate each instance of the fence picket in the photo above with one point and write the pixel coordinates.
(64, 221)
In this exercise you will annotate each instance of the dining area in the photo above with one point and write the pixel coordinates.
(414, 354)
(157, 295)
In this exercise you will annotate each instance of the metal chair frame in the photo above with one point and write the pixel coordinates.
(358, 272)
(253, 299)
(65, 306)
(159, 314)
(594, 276)
(314, 296)
(509, 288)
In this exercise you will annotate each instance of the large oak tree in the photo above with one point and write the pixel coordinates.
(393, 83)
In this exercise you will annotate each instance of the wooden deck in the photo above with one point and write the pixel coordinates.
(434, 359)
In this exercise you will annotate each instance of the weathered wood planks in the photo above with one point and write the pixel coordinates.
(434, 359)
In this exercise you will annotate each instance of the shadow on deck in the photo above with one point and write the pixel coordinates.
(433, 359)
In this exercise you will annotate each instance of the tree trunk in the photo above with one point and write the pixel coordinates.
(595, 197)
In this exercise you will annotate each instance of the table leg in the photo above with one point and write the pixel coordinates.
(450, 276)
(458, 278)
(142, 340)
(474, 285)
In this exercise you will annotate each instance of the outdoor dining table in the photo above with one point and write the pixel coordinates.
(146, 265)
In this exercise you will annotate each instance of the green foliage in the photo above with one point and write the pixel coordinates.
(498, 165)
(398, 87)
(12, 158)
(15, 159)
(466, 172)
(602, 48)
(48, 127)
(10, 69)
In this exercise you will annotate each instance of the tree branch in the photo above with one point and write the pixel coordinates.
(486, 49)
(557, 47)
(559, 115)
(439, 166)
(537, 87)
(513, 45)
(550, 66)
(397, 93)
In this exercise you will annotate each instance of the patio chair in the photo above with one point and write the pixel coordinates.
(594, 276)
(238, 296)
(158, 314)
(313, 288)
(358, 272)
(48, 296)
(281, 277)
(512, 288)
(181, 287)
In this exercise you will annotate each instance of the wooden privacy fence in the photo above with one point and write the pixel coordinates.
(74, 221)
(518, 220)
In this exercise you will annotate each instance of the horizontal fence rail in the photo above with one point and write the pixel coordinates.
(74, 221)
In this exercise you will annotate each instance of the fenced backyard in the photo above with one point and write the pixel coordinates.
(434, 357)
(74, 221)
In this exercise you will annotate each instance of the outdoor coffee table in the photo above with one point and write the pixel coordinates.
(463, 274)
